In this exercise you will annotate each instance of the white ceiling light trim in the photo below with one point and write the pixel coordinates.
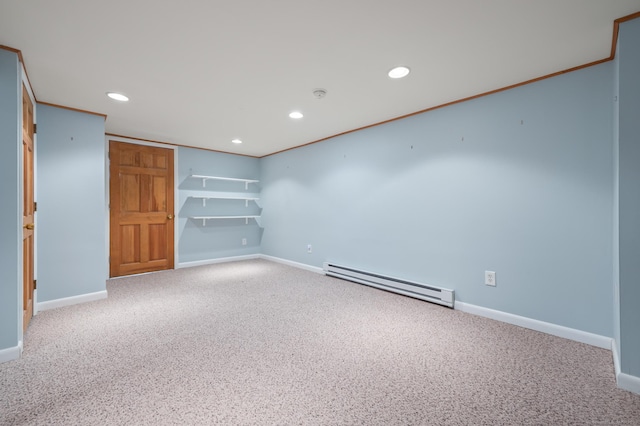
(399, 72)
(296, 115)
(118, 96)
(237, 141)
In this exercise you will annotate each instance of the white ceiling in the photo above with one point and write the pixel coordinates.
(201, 73)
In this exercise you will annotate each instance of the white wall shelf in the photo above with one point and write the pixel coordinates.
(206, 178)
(225, 197)
(205, 218)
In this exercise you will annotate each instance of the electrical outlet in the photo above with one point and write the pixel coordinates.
(309, 248)
(244, 241)
(490, 278)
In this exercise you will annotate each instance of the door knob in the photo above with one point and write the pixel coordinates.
(29, 226)
(169, 216)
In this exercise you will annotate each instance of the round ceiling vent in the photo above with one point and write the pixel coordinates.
(319, 93)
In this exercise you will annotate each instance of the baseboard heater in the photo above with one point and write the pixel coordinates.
(429, 293)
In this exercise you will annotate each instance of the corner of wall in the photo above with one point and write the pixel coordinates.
(10, 211)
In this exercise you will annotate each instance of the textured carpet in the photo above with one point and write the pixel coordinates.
(261, 343)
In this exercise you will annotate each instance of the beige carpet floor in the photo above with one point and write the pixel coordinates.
(259, 343)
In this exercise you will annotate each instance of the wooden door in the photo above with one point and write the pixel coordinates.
(28, 208)
(141, 208)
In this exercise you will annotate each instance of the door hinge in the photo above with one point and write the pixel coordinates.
(35, 128)
(35, 284)
(35, 206)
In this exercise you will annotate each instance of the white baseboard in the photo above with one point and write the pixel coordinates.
(250, 257)
(624, 381)
(73, 300)
(292, 263)
(11, 354)
(219, 260)
(628, 382)
(544, 327)
(35, 302)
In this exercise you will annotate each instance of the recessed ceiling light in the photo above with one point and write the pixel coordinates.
(296, 114)
(399, 72)
(236, 141)
(117, 96)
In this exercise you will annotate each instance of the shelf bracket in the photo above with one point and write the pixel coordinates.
(246, 220)
(246, 186)
(204, 222)
(204, 181)
(246, 203)
(204, 202)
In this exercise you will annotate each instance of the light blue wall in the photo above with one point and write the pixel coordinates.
(219, 238)
(10, 207)
(527, 193)
(629, 195)
(72, 240)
